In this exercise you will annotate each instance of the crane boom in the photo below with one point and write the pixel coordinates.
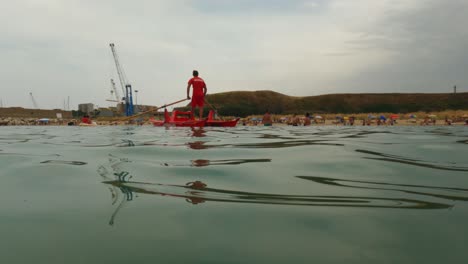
(126, 87)
(34, 101)
(114, 89)
(120, 72)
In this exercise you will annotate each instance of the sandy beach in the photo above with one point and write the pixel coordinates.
(249, 121)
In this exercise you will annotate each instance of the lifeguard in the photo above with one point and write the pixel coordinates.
(199, 92)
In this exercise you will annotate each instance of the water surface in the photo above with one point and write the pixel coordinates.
(234, 195)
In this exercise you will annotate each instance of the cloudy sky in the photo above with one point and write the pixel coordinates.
(60, 48)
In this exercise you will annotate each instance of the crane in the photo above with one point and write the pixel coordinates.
(34, 101)
(126, 87)
(114, 92)
(114, 89)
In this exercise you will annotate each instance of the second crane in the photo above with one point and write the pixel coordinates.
(126, 86)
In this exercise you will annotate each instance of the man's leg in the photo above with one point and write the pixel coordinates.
(201, 112)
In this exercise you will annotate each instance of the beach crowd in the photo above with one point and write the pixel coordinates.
(276, 120)
(381, 120)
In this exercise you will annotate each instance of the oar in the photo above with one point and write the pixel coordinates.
(152, 110)
(214, 108)
(210, 105)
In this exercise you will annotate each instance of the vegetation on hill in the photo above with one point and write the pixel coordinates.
(32, 113)
(251, 103)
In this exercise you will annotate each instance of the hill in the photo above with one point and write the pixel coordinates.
(243, 103)
(33, 113)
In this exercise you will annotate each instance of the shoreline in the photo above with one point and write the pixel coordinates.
(243, 122)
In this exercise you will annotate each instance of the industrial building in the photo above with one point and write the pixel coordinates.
(86, 108)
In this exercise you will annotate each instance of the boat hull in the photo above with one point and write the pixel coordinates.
(88, 125)
(188, 123)
(222, 123)
(186, 119)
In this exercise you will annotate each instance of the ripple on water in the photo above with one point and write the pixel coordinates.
(281, 194)
(135, 160)
(413, 162)
(65, 162)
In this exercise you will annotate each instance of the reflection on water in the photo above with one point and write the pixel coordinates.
(64, 162)
(366, 133)
(451, 192)
(336, 189)
(201, 163)
(277, 144)
(198, 192)
(197, 145)
(198, 132)
(408, 161)
(384, 195)
(234, 196)
(28, 154)
(120, 183)
(288, 144)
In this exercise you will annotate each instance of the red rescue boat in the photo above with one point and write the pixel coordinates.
(186, 119)
(178, 119)
(220, 123)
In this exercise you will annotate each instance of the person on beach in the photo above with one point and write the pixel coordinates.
(295, 120)
(266, 120)
(198, 94)
(448, 121)
(307, 120)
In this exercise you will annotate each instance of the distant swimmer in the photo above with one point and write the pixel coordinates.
(266, 120)
(199, 92)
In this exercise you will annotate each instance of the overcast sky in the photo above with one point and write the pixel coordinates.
(60, 48)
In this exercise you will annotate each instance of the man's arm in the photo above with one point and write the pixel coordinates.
(188, 91)
(205, 90)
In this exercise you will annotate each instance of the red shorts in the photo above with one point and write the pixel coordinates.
(198, 100)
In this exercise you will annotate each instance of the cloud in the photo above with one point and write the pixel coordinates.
(424, 46)
(257, 7)
(57, 48)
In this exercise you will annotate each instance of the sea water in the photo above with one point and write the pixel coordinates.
(234, 195)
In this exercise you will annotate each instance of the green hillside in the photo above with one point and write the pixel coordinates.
(243, 103)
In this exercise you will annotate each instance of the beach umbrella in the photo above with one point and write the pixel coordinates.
(318, 117)
(44, 120)
(338, 117)
(254, 119)
(412, 116)
(432, 116)
(394, 116)
(371, 117)
(346, 118)
(382, 117)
